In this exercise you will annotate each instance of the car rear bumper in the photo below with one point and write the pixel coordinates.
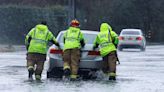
(83, 64)
(130, 46)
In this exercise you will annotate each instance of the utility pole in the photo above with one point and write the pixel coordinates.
(74, 8)
(71, 10)
(147, 21)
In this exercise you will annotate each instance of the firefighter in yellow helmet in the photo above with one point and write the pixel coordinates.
(107, 39)
(73, 42)
(36, 42)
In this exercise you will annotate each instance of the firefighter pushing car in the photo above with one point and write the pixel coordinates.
(73, 42)
(107, 39)
(36, 43)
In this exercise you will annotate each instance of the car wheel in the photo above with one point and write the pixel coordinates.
(142, 48)
(55, 73)
(86, 75)
(120, 48)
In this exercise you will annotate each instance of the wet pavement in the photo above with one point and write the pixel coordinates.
(138, 72)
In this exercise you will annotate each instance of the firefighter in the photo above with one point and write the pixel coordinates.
(107, 39)
(36, 43)
(73, 42)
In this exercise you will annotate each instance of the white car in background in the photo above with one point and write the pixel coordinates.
(131, 38)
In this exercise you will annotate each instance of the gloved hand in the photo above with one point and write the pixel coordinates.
(59, 47)
(57, 44)
(27, 47)
(94, 48)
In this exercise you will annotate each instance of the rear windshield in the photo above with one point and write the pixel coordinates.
(130, 33)
(89, 38)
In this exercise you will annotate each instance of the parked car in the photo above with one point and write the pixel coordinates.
(131, 38)
(90, 62)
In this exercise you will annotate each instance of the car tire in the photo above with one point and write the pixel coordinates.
(86, 75)
(120, 48)
(55, 73)
(142, 48)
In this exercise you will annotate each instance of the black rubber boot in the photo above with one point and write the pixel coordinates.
(67, 72)
(30, 75)
(112, 78)
(66, 75)
(75, 79)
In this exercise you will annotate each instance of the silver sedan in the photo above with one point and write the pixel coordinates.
(131, 38)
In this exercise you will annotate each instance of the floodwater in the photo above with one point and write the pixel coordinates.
(138, 72)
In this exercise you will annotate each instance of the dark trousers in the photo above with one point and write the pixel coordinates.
(36, 59)
(71, 59)
(109, 62)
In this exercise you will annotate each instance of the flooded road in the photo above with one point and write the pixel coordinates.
(138, 72)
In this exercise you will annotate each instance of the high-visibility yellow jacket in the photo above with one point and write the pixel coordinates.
(37, 39)
(107, 39)
(72, 38)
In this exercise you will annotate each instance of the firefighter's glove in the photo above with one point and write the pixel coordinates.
(27, 46)
(94, 48)
(59, 47)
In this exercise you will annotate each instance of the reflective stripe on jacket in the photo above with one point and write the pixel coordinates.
(72, 38)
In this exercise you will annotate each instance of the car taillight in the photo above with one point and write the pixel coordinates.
(56, 51)
(139, 38)
(95, 53)
(121, 38)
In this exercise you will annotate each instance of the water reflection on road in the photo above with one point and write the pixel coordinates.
(138, 72)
